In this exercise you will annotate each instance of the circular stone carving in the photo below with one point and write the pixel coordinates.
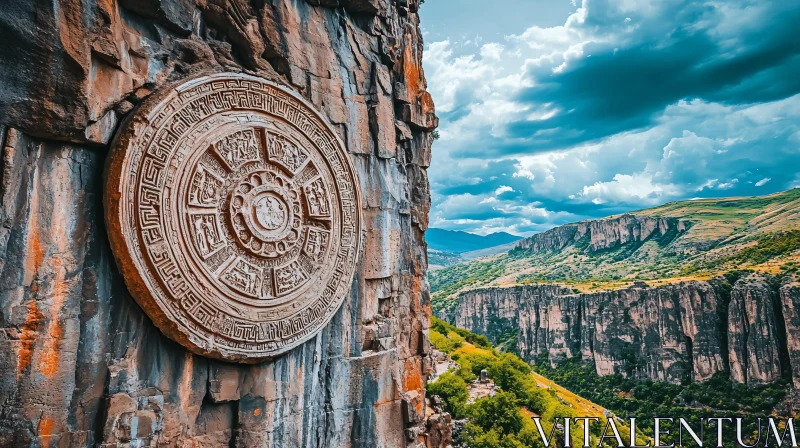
(235, 215)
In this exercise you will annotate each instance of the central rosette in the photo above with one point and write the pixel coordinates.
(258, 213)
(271, 213)
(266, 213)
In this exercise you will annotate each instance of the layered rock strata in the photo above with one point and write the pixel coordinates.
(603, 233)
(675, 333)
(80, 364)
(790, 304)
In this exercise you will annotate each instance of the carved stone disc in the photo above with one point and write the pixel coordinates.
(235, 215)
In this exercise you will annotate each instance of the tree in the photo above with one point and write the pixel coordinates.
(452, 389)
(500, 412)
(480, 361)
(476, 437)
(507, 372)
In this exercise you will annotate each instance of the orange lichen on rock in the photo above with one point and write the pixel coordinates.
(48, 362)
(412, 375)
(411, 71)
(30, 331)
(48, 359)
(46, 426)
(59, 236)
(36, 250)
(427, 103)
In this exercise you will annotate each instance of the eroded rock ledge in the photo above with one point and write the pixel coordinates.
(604, 233)
(674, 333)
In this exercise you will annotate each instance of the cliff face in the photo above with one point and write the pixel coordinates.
(603, 233)
(753, 340)
(80, 364)
(688, 331)
(790, 303)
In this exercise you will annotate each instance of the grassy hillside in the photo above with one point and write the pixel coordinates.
(722, 235)
(438, 259)
(504, 419)
(728, 219)
(494, 250)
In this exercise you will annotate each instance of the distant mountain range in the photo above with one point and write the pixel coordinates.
(460, 242)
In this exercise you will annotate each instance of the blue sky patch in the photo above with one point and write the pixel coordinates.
(553, 112)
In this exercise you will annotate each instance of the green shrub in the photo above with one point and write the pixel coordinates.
(479, 361)
(500, 412)
(477, 437)
(452, 389)
(533, 397)
(457, 340)
(441, 342)
(510, 374)
(465, 371)
(439, 325)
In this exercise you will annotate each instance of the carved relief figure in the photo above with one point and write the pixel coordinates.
(265, 208)
(316, 243)
(285, 152)
(271, 212)
(292, 157)
(244, 277)
(289, 277)
(206, 234)
(204, 188)
(317, 197)
(238, 148)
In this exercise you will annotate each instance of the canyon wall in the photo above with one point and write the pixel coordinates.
(790, 302)
(674, 333)
(603, 233)
(80, 363)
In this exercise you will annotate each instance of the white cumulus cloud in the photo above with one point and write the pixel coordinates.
(503, 189)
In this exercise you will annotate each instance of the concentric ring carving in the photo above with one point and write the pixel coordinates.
(235, 216)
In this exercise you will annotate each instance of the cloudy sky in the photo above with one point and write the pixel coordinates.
(554, 111)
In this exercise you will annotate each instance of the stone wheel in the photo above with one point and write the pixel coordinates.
(235, 215)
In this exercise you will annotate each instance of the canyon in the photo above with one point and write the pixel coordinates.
(677, 293)
(687, 331)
